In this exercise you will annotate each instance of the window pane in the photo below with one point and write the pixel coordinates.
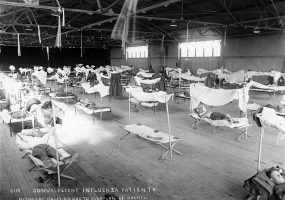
(191, 49)
(137, 52)
(217, 48)
(199, 49)
(145, 53)
(208, 48)
(183, 50)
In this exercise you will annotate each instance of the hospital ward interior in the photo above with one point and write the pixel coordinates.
(142, 100)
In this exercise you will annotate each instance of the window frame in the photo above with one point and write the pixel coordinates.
(202, 47)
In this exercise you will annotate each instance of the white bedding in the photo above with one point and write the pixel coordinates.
(101, 88)
(238, 122)
(140, 95)
(146, 81)
(150, 134)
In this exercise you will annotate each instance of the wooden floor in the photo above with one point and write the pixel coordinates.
(213, 165)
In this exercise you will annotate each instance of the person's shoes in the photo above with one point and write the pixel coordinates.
(71, 159)
(39, 179)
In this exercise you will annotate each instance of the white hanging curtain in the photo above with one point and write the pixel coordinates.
(47, 53)
(121, 29)
(19, 49)
(39, 34)
(58, 36)
(63, 17)
(81, 53)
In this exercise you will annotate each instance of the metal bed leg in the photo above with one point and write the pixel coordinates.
(169, 150)
(10, 126)
(125, 136)
(32, 168)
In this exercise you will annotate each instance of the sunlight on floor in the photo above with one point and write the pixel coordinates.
(72, 133)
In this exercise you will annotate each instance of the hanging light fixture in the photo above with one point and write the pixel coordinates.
(256, 30)
(173, 24)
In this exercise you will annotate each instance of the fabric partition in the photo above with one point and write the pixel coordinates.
(217, 97)
(41, 75)
(49, 70)
(142, 96)
(101, 88)
(146, 81)
(145, 74)
(161, 97)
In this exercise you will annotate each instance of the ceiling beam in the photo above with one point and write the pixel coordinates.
(35, 25)
(221, 2)
(115, 18)
(260, 13)
(12, 12)
(143, 10)
(257, 20)
(164, 32)
(44, 7)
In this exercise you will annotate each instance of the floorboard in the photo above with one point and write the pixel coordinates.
(213, 165)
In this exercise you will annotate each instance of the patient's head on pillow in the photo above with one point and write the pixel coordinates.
(276, 176)
(201, 109)
(280, 108)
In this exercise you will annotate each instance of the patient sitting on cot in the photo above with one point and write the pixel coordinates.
(202, 112)
(28, 139)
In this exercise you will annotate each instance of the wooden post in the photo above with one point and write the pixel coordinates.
(169, 129)
(56, 145)
(101, 108)
(129, 104)
(260, 148)
(244, 94)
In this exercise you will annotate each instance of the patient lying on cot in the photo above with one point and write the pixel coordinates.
(47, 154)
(202, 112)
(278, 177)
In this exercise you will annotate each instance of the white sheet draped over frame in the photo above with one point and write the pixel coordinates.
(24, 70)
(269, 118)
(100, 76)
(101, 88)
(41, 75)
(203, 71)
(61, 80)
(49, 70)
(146, 81)
(145, 74)
(142, 96)
(188, 77)
(217, 97)
(66, 70)
(169, 69)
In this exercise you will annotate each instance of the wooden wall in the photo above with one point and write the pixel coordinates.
(260, 53)
(57, 57)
